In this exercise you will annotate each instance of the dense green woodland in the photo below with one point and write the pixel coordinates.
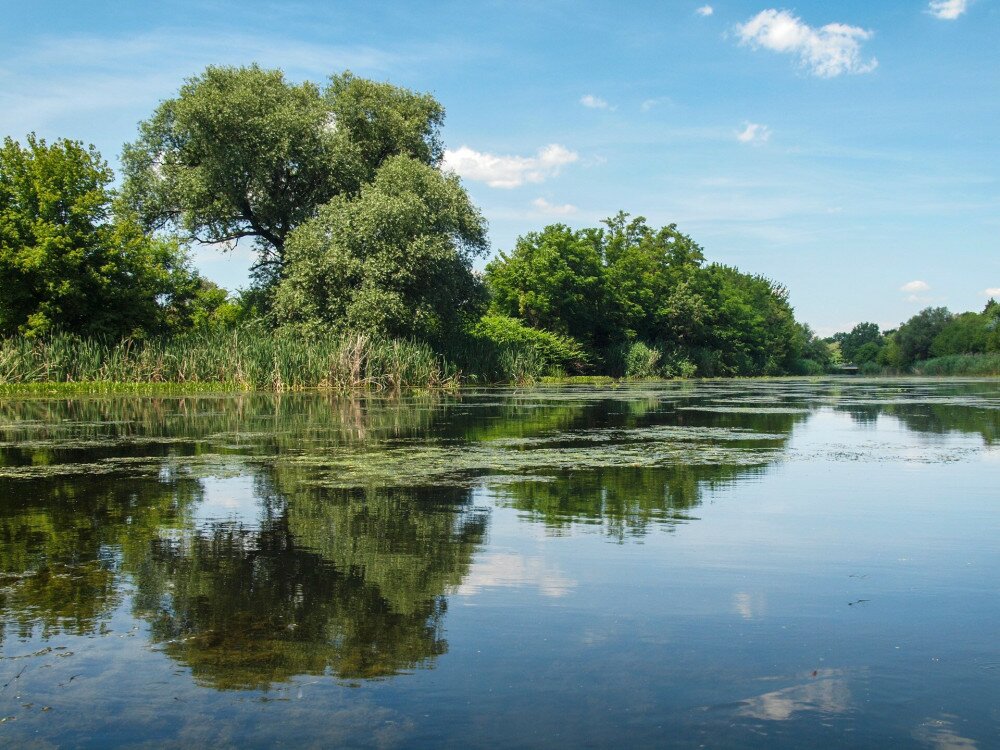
(932, 342)
(364, 273)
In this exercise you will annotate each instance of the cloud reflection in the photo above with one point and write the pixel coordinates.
(826, 692)
(510, 570)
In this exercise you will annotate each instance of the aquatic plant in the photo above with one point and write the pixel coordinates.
(249, 358)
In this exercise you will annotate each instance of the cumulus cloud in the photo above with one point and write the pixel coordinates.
(993, 291)
(826, 51)
(508, 171)
(948, 10)
(554, 209)
(648, 104)
(915, 287)
(754, 132)
(594, 102)
(705, 10)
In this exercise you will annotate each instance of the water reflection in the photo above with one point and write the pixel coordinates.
(824, 691)
(258, 538)
(351, 584)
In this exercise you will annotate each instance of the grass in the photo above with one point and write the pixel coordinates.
(248, 358)
(960, 364)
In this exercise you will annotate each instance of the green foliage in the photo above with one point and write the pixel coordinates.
(247, 357)
(642, 361)
(891, 356)
(393, 261)
(817, 355)
(967, 333)
(862, 344)
(916, 336)
(66, 261)
(241, 152)
(553, 351)
(752, 330)
(553, 280)
(651, 278)
(961, 364)
(625, 283)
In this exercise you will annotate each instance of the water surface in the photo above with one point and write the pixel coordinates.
(770, 564)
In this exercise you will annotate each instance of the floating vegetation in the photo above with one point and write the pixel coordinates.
(747, 409)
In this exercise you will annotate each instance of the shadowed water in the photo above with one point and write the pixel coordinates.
(782, 563)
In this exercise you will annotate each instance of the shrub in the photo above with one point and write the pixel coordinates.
(547, 350)
(641, 361)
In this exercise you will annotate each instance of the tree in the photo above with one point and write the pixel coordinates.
(967, 333)
(242, 153)
(554, 280)
(752, 329)
(66, 260)
(650, 280)
(916, 336)
(395, 260)
(859, 336)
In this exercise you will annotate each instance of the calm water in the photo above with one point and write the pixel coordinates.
(726, 564)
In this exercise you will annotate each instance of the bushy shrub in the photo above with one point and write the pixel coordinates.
(549, 350)
(808, 367)
(642, 361)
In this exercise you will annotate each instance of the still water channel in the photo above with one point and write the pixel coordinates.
(769, 564)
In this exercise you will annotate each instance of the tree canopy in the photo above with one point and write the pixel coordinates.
(628, 284)
(243, 153)
(67, 261)
(394, 260)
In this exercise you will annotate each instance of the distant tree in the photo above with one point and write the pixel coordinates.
(200, 304)
(859, 336)
(916, 336)
(890, 355)
(67, 261)
(992, 315)
(866, 353)
(242, 153)
(816, 350)
(967, 333)
(395, 259)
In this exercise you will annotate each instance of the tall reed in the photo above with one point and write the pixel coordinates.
(250, 357)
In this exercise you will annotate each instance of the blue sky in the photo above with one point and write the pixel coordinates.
(849, 150)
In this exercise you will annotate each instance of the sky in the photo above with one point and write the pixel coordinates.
(848, 150)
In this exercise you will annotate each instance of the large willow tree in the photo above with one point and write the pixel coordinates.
(244, 153)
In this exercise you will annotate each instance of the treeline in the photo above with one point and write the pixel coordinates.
(935, 341)
(359, 236)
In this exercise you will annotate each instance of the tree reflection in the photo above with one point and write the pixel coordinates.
(60, 545)
(351, 583)
(339, 575)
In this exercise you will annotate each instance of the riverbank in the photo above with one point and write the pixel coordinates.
(261, 359)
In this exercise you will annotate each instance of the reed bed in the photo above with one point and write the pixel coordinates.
(961, 364)
(247, 358)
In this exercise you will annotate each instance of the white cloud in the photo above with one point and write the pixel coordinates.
(508, 171)
(554, 209)
(948, 10)
(826, 51)
(993, 291)
(648, 104)
(754, 132)
(705, 10)
(594, 102)
(915, 287)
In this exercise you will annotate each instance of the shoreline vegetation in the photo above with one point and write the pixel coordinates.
(365, 241)
(253, 359)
